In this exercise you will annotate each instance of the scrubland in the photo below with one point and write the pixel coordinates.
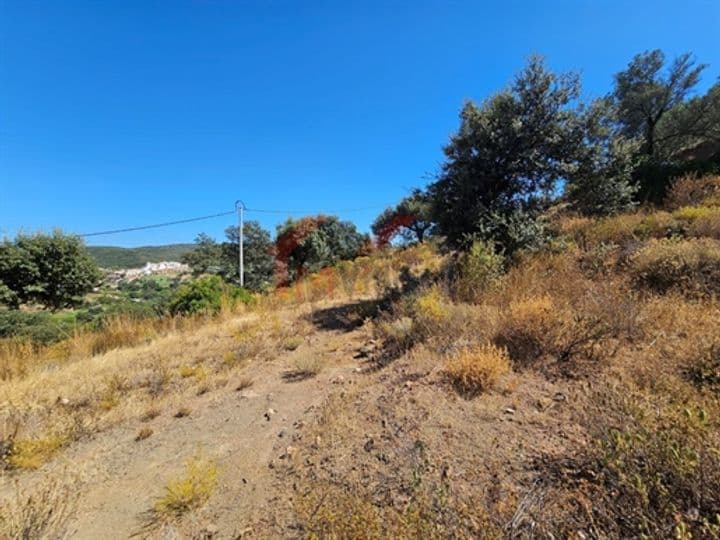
(570, 392)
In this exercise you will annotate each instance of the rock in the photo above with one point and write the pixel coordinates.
(338, 380)
(281, 433)
(509, 410)
(269, 413)
(290, 451)
(559, 396)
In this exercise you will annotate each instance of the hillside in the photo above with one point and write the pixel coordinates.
(568, 393)
(118, 257)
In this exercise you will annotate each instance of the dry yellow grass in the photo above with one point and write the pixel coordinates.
(42, 511)
(188, 491)
(477, 369)
(32, 453)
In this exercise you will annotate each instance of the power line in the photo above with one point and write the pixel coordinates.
(221, 214)
(345, 211)
(157, 225)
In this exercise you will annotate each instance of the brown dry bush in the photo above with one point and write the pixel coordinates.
(688, 266)
(691, 190)
(550, 310)
(332, 511)
(704, 370)
(40, 512)
(477, 369)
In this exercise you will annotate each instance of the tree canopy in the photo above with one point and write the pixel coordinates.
(53, 270)
(411, 219)
(311, 243)
(210, 257)
(503, 164)
(647, 90)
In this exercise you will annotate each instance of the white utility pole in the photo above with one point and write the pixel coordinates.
(239, 207)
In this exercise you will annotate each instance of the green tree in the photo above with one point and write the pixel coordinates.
(503, 165)
(690, 124)
(602, 182)
(205, 256)
(411, 219)
(647, 90)
(311, 243)
(53, 270)
(258, 256)
(210, 257)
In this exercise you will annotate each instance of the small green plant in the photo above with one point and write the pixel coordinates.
(478, 269)
(206, 295)
(190, 490)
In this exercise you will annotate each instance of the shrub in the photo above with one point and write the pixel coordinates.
(305, 366)
(478, 269)
(691, 190)
(526, 328)
(33, 452)
(567, 331)
(701, 221)
(477, 369)
(42, 511)
(705, 371)
(206, 295)
(663, 466)
(706, 226)
(693, 213)
(348, 273)
(188, 491)
(690, 266)
(38, 327)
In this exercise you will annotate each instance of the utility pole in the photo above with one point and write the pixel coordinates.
(239, 207)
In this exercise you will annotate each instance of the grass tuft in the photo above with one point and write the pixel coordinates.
(190, 490)
(477, 369)
(33, 453)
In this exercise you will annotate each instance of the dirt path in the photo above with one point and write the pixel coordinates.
(245, 433)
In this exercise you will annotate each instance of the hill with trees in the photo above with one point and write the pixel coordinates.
(113, 257)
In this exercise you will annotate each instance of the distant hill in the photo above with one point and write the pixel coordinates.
(118, 257)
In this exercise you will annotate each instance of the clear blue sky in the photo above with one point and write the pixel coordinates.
(121, 113)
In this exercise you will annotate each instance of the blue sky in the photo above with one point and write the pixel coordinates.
(115, 114)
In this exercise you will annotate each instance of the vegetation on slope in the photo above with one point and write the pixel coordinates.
(113, 257)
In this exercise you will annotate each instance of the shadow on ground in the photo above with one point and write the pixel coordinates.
(347, 317)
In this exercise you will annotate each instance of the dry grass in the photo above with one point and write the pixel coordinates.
(305, 366)
(40, 512)
(189, 491)
(689, 266)
(143, 434)
(292, 343)
(32, 453)
(478, 369)
(691, 190)
(243, 383)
